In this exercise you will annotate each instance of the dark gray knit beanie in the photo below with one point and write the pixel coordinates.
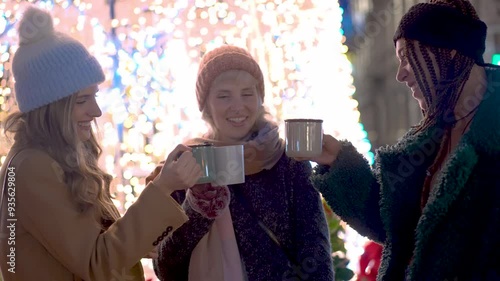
(444, 26)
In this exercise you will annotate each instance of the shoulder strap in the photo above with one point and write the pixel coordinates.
(264, 227)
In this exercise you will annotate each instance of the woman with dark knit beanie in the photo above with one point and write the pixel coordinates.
(272, 226)
(433, 199)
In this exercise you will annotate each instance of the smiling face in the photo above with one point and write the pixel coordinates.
(85, 110)
(233, 105)
(406, 74)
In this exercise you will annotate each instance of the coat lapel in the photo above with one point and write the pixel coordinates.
(404, 167)
(448, 187)
(482, 138)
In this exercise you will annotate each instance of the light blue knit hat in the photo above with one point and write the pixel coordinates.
(49, 65)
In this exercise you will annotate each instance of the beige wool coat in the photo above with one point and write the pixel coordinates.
(54, 242)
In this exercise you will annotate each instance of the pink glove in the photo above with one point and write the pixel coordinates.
(208, 200)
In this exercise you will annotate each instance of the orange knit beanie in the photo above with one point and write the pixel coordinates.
(223, 59)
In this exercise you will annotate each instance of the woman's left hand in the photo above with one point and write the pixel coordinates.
(208, 200)
(205, 191)
(331, 149)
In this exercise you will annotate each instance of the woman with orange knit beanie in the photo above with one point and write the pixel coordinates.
(272, 226)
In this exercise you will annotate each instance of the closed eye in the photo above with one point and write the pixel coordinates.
(248, 92)
(82, 99)
(402, 55)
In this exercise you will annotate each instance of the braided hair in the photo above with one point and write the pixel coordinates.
(443, 81)
(440, 74)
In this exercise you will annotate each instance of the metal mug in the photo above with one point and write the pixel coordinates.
(230, 164)
(304, 137)
(204, 155)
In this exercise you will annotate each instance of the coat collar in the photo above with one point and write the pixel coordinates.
(484, 133)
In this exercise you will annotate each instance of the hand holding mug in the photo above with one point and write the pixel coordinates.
(205, 191)
(155, 172)
(331, 149)
(208, 200)
(179, 172)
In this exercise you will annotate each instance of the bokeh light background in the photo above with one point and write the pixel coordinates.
(150, 51)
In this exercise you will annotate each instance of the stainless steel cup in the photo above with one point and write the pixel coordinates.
(304, 137)
(204, 155)
(230, 164)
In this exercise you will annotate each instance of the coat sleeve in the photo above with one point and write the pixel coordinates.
(174, 253)
(312, 237)
(351, 189)
(48, 212)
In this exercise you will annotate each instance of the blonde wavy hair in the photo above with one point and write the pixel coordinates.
(50, 128)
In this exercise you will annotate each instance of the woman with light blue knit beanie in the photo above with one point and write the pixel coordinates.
(57, 220)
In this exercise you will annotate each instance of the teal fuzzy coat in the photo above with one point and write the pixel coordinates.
(456, 237)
